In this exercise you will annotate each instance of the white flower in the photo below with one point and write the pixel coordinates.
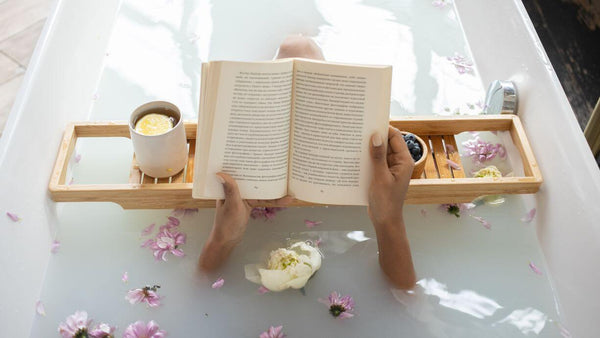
(287, 267)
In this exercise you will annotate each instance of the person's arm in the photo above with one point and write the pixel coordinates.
(391, 175)
(230, 223)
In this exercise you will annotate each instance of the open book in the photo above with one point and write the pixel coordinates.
(291, 126)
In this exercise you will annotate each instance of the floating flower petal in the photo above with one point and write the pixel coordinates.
(140, 329)
(339, 307)
(13, 217)
(218, 283)
(311, 224)
(55, 246)
(166, 241)
(125, 277)
(535, 269)
(147, 294)
(423, 212)
(39, 308)
(262, 290)
(453, 164)
(482, 151)
(481, 220)
(529, 216)
(148, 230)
(273, 332)
(77, 158)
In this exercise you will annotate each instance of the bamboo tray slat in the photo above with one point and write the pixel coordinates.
(439, 183)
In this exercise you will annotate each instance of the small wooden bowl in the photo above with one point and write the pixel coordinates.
(420, 164)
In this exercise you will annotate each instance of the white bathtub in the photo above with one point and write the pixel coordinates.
(67, 65)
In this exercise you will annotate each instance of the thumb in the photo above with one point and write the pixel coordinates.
(230, 186)
(378, 156)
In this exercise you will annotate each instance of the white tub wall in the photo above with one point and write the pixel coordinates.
(29, 143)
(505, 46)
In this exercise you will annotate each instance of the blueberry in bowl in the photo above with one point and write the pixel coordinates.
(418, 151)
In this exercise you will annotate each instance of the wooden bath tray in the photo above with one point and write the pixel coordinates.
(438, 184)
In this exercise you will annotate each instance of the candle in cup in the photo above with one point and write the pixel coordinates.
(154, 124)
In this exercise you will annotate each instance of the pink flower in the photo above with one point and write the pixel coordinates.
(147, 294)
(529, 216)
(184, 212)
(76, 325)
(267, 213)
(103, 330)
(218, 283)
(273, 332)
(339, 307)
(166, 241)
(456, 209)
(262, 290)
(311, 224)
(140, 329)
(13, 217)
(482, 151)
(460, 62)
(54, 246)
(39, 308)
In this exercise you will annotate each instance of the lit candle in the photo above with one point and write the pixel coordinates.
(154, 124)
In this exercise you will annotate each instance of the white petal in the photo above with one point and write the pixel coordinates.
(251, 272)
(299, 282)
(274, 280)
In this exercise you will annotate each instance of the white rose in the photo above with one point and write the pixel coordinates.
(286, 268)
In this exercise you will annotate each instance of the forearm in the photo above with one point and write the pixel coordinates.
(395, 258)
(215, 252)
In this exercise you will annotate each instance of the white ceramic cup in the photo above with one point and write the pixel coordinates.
(161, 155)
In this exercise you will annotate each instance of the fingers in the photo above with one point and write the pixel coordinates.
(399, 159)
(230, 187)
(378, 156)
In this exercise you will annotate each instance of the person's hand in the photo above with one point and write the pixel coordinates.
(392, 170)
(391, 175)
(230, 223)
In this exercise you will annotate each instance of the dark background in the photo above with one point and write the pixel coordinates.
(570, 33)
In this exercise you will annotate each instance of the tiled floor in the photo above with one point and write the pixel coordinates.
(21, 22)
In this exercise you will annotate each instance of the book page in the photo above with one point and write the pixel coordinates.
(336, 109)
(248, 118)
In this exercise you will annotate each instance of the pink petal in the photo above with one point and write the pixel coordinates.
(178, 252)
(218, 284)
(125, 277)
(39, 308)
(77, 158)
(481, 220)
(54, 246)
(147, 230)
(12, 216)
(450, 148)
(318, 241)
(311, 224)
(71, 181)
(345, 315)
(529, 217)
(535, 269)
(453, 164)
(262, 290)
(147, 243)
(423, 212)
